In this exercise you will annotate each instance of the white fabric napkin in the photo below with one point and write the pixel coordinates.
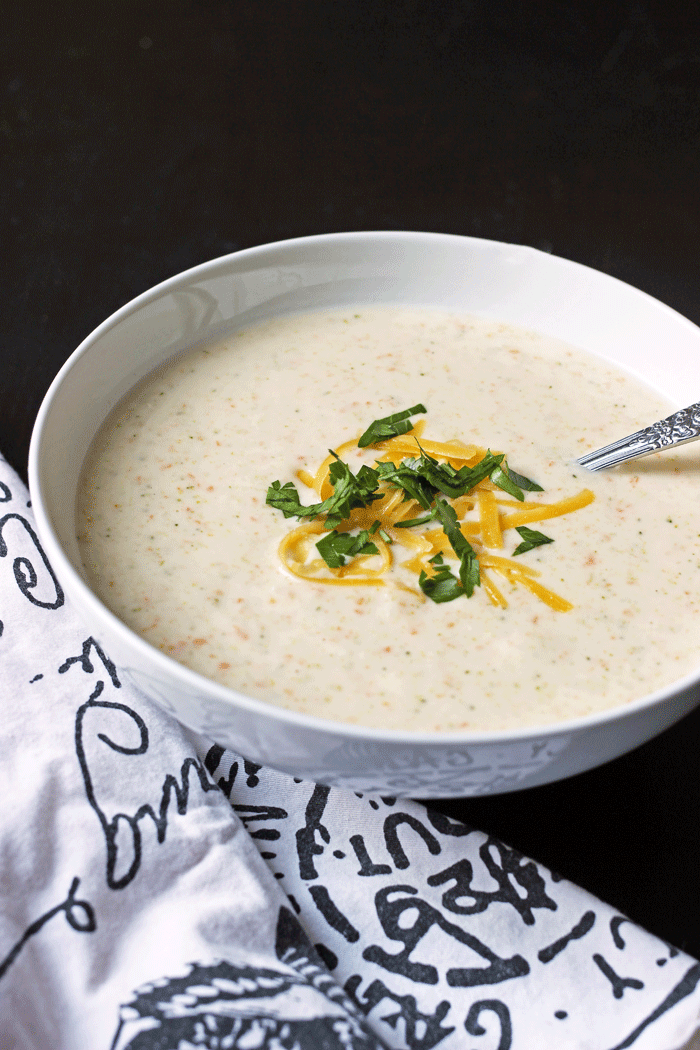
(159, 892)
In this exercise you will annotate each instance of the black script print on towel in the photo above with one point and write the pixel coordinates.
(133, 740)
(410, 913)
(80, 916)
(251, 769)
(85, 661)
(685, 987)
(518, 883)
(122, 832)
(307, 836)
(32, 572)
(29, 579)
(395, 914)
(393, 903)
(618, 984)
(408, 840)
(422, 1031)
(587, 922)
(474, 1018)
(309, 842)
(298, 1007)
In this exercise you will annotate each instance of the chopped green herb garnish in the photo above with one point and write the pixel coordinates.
(349, 491)
(447, 517)
(414, 521)
(469, 572)
(285, 498)
(432, 484)
(406, 477)
(422, 478)
(454, 483)
(504, 481)
(524, 483)
(338, 547)
(531, 538)
(443, 586)
(376, 528)
(389, 426)
(513, 483)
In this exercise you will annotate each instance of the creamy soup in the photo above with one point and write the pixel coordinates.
(177, 539)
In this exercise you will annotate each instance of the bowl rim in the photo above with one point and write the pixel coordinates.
(268, 709)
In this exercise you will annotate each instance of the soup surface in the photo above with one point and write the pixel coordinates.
(178, 541)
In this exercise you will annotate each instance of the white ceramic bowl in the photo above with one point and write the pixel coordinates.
(514, 284)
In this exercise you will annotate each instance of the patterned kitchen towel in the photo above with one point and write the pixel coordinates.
(160, 893)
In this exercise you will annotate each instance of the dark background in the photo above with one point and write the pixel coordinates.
(140, 137)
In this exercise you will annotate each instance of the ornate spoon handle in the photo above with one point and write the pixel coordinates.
(677, 429)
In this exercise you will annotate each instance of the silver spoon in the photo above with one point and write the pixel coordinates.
(681, 427)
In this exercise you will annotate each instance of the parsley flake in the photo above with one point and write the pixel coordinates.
(443, 586)
(531, 538)
(389, 426)
(338, 547)
(513, 483)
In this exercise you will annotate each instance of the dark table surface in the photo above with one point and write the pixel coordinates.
(141, 138)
